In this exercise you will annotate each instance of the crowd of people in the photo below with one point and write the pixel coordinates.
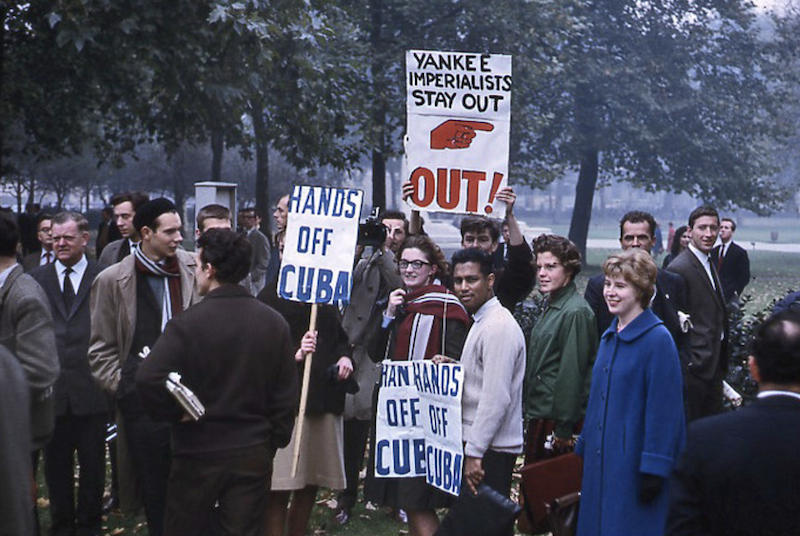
(614, 375)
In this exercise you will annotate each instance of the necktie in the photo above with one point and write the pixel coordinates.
(69, 290)
(721, 255)
(47, 258)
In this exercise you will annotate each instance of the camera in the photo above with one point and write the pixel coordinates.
(372, 231)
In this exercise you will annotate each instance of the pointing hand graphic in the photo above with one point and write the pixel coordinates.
(457, 134)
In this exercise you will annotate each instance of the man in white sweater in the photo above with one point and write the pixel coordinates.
(494, 366)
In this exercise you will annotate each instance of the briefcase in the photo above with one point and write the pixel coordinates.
(545, 481)
(483, 514)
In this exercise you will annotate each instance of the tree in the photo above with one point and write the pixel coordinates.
(675, 95)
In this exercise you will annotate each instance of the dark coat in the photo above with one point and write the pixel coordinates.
(634, 424)
(734, 272)
(236, 355)
(706, 307)
(740, 473)
(325, 395)
(75, 388)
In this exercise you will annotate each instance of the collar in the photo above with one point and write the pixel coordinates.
(702, 257)
(5, 273)
(768, 394)
(43, 253)
(640, 325)
(486, 308)
(228, 290)
(78, 268)
(559, 297)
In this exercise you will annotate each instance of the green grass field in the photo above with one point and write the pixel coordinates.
(773, 275)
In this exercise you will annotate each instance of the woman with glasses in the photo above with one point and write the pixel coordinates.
(421, 320)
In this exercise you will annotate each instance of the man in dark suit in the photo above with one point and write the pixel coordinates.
(731, 262)
(637, 230)
(125, 206)
(261, 251)
(81, 410)
(740, 471)
(43, 255)
(708, 335)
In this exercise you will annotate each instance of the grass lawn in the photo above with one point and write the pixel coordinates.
(773, 275)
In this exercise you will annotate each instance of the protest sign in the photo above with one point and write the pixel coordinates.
(319, 246)
(418, 429)
(459, 124)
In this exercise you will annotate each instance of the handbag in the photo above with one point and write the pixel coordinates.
(562, 514)
(545, 481)
(485, 513)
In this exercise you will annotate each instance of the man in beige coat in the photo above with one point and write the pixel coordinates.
(131, 303)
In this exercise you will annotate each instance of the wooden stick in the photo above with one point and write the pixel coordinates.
(298, 427)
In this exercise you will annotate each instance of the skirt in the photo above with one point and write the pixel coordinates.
(321, 460)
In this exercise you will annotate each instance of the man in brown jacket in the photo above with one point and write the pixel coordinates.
(131, 302)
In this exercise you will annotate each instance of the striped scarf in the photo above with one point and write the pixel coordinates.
(172, 302)
(421, 333)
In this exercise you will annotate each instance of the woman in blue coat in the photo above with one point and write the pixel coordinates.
(634, 427)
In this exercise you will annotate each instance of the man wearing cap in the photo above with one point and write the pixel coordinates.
(131, 303)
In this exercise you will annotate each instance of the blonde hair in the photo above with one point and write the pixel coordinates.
(637, 267)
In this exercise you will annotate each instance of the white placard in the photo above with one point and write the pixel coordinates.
(459, 126)
(320, 244)
(418, 429)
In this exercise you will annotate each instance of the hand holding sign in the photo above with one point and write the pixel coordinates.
(457, 134)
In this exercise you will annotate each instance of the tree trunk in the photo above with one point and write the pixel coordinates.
(379, 110)
(262, 169)
(584, 195)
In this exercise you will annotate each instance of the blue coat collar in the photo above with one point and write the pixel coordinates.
(640, 325)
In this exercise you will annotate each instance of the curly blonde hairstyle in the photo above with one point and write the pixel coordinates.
(637, 267)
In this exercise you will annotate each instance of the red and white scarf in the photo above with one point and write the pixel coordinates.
(421, 333)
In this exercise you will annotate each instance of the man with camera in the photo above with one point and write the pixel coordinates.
(373, 279)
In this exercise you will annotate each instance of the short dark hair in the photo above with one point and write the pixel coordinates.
(394, 215)
(9, 235)
(44, 216)
(137, 198)
(638, 216)
(478, 224)
(733, 223)
(701, 211)
(476, 255)
(147, 215)
(219, 212)
(563, 248)
(776, 348)
(228, 252)
(63, 217)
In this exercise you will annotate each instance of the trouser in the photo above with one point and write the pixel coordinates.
(239, 482)
(356, 434)
(149, 446)
(703, 397)
(84, 434)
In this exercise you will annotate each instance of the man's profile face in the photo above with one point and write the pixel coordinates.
(68, 242)
(44, 232)
(636, 235)
(704, 233)
(726, 231)
(202, 276)
(395, 234)
(123, 215)
(482, 240)
(163, 242)
(281, 213)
